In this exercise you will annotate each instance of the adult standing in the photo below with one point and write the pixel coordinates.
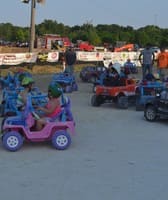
(70, 59)
(146, 59)
(162, 63)
(63, 60)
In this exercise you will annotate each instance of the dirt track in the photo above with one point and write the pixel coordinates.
(115, 155)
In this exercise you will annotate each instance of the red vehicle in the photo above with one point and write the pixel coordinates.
(85, 46)
(126, 47)
(122, 94)
(50, 40)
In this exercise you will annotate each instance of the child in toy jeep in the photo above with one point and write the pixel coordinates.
(111, 78)
(19, 128)
(53, 107)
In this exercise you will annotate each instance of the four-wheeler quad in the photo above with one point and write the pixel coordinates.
(17, 129)
(157, 107)
(123, 93)
(91, 73)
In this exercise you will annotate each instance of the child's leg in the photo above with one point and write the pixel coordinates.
(40, 124)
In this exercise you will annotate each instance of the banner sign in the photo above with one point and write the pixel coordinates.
(17, 58)
(53, 56)
(120, 57)
(106, 57)
(89, 56)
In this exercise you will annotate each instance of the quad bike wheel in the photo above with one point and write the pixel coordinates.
(68, 89)
(123, 102)
(75, 87)
(95, 101)
(150, 113)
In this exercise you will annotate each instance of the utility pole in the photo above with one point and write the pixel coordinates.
(32, 26)
(32, 21)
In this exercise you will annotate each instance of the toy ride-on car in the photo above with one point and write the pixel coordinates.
(66, 80)
(123, 93)
(91, 73)
(146, 91)
(10, 106)
(157, 107)
(19, 128)
(130, 67)
(104, 77)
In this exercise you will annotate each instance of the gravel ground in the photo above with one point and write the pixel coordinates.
(115, 154)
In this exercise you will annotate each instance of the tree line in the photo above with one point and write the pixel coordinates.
(97, 35)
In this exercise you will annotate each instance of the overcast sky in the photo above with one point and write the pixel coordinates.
(77, 12)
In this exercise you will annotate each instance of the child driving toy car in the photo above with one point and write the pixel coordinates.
(53, 107)
(112, 77)
(27, 83)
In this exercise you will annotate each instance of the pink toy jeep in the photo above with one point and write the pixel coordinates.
(19, 128)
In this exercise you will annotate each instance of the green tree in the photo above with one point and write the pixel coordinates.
(164, 38)
(142, 38)
(97, 35)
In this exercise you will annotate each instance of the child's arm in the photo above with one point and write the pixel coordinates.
(23, 96)
(50, 109)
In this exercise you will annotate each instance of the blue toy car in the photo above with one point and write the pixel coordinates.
(5, 81)
(9, 105)
(91, 73)
(157, 107)
(13, 80)
(66, 81)
(130, 67)
(146, 91)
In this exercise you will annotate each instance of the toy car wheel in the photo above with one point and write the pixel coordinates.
(61, 140)
(2, 123)
(75, 87)
(2, 110)
(123, 102)
(95, 101)
(94, 88)
(68, 89)
(12, 141)
(92, 79)
(150, 113)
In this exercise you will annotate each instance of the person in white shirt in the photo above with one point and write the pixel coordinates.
(146, 59)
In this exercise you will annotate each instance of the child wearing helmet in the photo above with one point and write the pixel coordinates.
(53, 107)
(27, 83)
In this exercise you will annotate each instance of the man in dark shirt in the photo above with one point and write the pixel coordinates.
(70, 59)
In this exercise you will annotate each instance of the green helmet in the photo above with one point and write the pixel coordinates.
(21, 77)
(55, 90)
(26, 81)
